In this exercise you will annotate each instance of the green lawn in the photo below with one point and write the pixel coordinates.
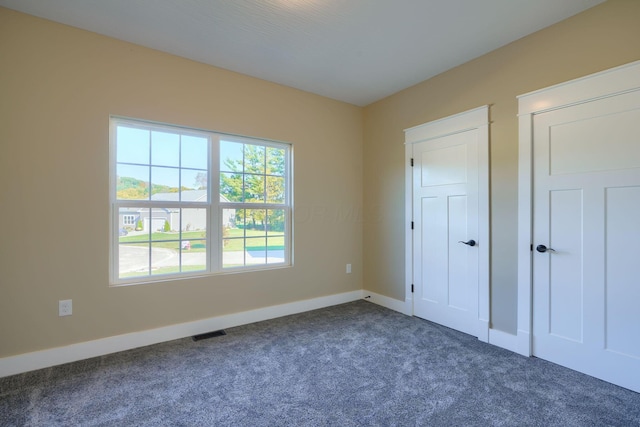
(187, 235)
(238, 232)
(192, 236)
(233, 240)
(165, 270)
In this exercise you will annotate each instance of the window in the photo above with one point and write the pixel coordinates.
(190, 202)
(128, 219)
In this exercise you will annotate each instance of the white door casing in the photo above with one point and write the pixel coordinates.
(580, 195)
(447, 201)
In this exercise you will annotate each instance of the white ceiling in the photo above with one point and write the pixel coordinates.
(357, 51)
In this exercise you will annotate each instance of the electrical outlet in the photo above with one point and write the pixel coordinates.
(65, 307)
(348, 268)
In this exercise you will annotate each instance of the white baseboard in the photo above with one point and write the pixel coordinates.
(56, 356)
(403, 307)
(524, 343)
(503, 339)
(484, 331)
(491, 336)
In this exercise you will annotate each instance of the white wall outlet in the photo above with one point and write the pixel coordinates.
(348, 268)
(65, 307)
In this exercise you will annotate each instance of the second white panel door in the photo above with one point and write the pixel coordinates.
(586, 234)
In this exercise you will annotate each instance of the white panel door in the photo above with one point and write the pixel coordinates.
(586, 286)
(445, 204)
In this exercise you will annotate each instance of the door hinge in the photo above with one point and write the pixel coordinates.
(412, 225)
(411, 162)
(412, 288)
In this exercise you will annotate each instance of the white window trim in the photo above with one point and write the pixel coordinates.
(214, 206)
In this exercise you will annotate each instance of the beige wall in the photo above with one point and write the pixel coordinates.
(600, 38)
(58, 86)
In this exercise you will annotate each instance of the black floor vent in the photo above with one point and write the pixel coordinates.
(209, 335)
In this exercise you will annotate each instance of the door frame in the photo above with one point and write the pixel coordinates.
(608, 83)
(475, 119)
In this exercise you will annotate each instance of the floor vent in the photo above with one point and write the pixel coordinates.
(209, 335)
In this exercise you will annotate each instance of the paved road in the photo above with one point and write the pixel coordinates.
(136, 258)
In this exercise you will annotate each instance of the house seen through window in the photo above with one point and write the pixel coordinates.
(190, 202)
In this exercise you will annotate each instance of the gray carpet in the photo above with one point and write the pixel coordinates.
(355, 364)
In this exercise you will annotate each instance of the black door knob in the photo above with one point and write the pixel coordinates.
(542, 249)
(469, 243)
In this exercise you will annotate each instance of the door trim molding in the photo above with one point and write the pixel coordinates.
(612, 82)
(478, 119)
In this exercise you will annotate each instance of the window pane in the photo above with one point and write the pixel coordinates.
(164, 223)
(240, 222)
(275, 189)
(275, 222)
(194, 255)
(254, 189)
(255, 232)
(194, 185)
(275, 236)
(194, 223)
(194, 246)
(233, 237)
(232, 223)
(231, 187)
(133, 251)
(194, 239)
(127, 221)
(132, 225)
(132, 145)
(165, 257)
(232, 253)
(256, 248)
(275, 250)
(229, 223)
(195, 152)
(255, 222)
(193, 235)
(165, 149)
(174, 250)
(197, 179)
(133, 260)
(165, 183)
(132, 182)
(275, 161)
(231, 155)
(254, 158)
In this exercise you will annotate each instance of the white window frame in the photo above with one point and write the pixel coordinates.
(287, 205)
(214, 207)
